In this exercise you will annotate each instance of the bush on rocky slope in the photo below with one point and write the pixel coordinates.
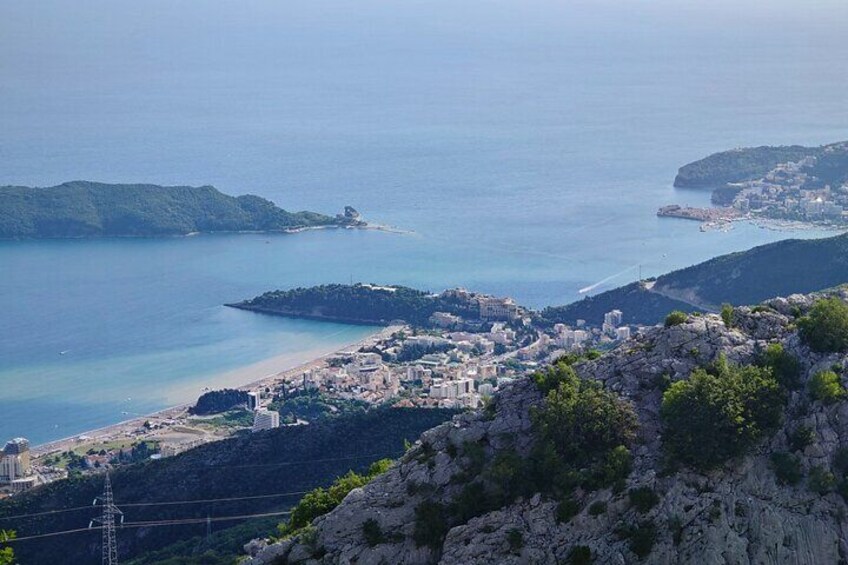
(718, 414)
(825, 328)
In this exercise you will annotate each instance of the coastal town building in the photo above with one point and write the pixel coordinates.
(612, 320)
(264, 419)
(15, 465)
(492, 308)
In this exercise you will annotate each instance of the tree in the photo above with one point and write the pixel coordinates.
(7, 555)
(714, 416)
(582, 434)
(727, 315)
(581, 419)
(825, 328)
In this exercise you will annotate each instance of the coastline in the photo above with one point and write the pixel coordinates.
(284, 231)
(272, 370)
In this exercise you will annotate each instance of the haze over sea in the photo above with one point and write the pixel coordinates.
(527, 146)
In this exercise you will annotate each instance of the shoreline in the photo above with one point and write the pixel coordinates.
(119, 429)
(284, 231)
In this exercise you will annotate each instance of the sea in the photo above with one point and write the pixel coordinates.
(521, 148)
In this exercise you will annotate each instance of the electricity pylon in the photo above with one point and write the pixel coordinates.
(109, 549)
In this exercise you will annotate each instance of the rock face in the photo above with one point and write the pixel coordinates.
(736, 514)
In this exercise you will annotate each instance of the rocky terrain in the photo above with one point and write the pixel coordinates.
(738, 512)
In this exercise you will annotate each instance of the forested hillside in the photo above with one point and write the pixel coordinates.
(90, 209)
(286, 460)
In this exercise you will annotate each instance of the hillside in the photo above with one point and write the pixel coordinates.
(747, 277)
(89, 209)
(706, 442)
(738, 165)
(285, 460)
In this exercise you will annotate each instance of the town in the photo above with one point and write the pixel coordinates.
(450, 362)
(789, 192)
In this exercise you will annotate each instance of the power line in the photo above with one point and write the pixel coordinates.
(163, 503)
(285, 463)
(153, 523)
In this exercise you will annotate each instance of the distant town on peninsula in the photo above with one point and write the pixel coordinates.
(790, 183)
(83, 209)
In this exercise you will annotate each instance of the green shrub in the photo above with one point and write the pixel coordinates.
(472, 501)
(597, 508)
(787, 468)
(825, 386)
(714, 416)
(675, 318)
(643, 499)
(800, 438)
(431, 525)
(515, 539)
(566, 510)
(821, 480)
(785, 368)
(727, 315)
(372, 532)
(825, 328)
(580, 555)
(7, 555)
(641, 538)
(550, 378)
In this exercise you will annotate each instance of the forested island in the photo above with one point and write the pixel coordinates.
(82, 209)
(363, 304)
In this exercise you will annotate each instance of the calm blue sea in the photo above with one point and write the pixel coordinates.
(525, 144)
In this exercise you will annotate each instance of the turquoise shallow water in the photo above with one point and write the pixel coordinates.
(526, 146)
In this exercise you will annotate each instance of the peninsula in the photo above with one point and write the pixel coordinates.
(83, 209)
(794, 183)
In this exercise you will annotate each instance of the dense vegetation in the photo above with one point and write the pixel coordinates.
(217, 401)
(719, 413)
(7, 554)
(583, 434)
(825, 328)
(312, 405)
(89, 209)
(738, 165)
(285, 460)
(831, 166)
(360, 303)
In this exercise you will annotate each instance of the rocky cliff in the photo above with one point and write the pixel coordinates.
(739, 512)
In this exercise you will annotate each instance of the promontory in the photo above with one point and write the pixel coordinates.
(81, 209)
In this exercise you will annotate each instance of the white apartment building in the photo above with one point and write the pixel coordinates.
(265, 420)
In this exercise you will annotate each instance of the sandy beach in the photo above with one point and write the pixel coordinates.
(265, 373)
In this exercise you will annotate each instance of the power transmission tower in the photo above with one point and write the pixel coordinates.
(109, 549)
